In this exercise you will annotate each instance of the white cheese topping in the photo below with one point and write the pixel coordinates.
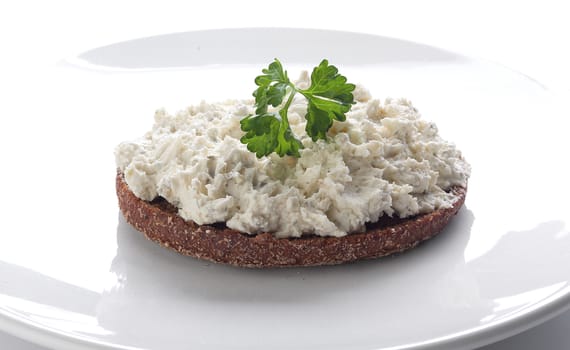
(384, 160)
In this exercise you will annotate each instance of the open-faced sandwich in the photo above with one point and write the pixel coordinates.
(314, 172)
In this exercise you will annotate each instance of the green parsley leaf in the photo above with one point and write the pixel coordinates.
(266, 134)
(272, 87)
(329, 98)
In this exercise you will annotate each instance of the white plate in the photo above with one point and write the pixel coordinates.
(74, 275)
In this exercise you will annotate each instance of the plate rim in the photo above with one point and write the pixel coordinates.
(476, 337)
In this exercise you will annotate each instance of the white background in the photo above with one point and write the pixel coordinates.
(526, 36)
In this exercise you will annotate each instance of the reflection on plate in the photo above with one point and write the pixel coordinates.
(81, 278)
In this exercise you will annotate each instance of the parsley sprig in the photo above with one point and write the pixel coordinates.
(329, 97)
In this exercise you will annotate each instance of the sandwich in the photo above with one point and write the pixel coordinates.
(312, 172)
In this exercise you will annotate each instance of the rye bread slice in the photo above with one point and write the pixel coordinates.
(159, 221)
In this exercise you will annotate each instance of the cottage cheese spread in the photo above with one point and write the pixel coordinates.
(383, 160)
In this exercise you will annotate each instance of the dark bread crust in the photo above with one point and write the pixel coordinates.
(158, 221)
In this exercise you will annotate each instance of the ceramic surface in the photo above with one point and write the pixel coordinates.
(74, 275)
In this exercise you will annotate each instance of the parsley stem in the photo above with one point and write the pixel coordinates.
(288, 103)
